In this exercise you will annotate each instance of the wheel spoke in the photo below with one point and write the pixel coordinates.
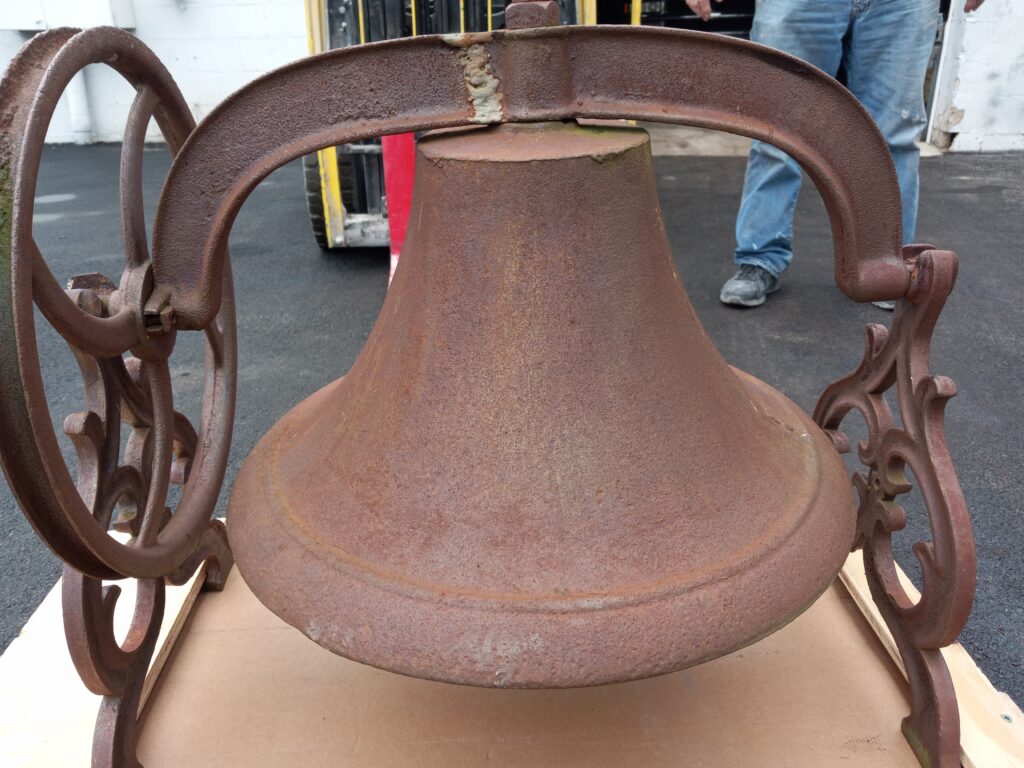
(102, 321)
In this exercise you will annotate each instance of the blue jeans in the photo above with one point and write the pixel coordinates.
(884, 46)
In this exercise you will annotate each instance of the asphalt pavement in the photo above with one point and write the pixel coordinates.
(304, 315)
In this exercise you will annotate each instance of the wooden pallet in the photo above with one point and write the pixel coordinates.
(244, 689)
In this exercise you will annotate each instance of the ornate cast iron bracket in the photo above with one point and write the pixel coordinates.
(123, 482)
(117, 671)
(898, 358)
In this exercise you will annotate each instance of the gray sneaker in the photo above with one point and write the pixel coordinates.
(749, 286)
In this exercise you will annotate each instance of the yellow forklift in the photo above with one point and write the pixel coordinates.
(345, 186)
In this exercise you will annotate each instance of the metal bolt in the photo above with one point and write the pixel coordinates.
(159, 323)
(525, 14)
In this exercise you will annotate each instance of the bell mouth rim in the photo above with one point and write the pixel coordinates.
(626, 595)
(523, 644)
(668, 667)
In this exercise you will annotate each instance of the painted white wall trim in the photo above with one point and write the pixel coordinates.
(979, 96)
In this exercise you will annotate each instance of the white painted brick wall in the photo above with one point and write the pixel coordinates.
(980, 88)
(210, 47)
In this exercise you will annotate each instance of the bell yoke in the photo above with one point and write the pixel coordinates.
(539, 472)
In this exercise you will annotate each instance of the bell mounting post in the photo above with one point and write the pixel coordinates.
(899, 357)
(123, 480)
(124, 333)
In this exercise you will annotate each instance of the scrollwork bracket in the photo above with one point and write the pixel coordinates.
(132, 445)
(899, 357)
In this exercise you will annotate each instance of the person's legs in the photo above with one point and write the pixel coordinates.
(813, 31)
(885, 61)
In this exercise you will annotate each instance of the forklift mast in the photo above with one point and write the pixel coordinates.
(345, 186)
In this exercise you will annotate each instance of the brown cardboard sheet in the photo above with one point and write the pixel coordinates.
(244, 689)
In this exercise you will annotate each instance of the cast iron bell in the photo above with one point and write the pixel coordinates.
(540, 472)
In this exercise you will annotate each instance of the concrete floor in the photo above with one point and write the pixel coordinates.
(304, 315)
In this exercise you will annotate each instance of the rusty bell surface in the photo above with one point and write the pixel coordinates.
(540, 472)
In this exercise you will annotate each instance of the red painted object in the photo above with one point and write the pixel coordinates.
(399, 160)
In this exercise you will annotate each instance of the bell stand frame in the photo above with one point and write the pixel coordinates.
(522, 75)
